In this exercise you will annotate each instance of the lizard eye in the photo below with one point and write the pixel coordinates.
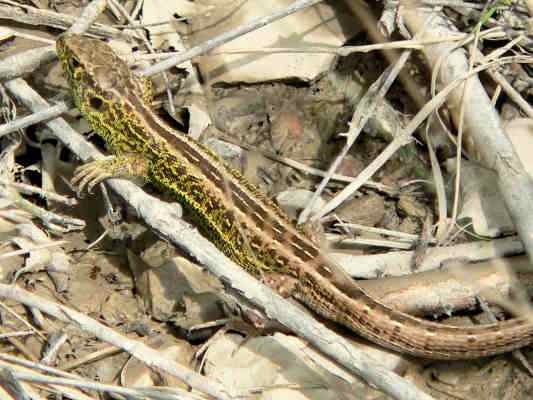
(75, 63)
(96, 103)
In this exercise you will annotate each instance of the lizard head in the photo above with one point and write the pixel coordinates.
(100, 81)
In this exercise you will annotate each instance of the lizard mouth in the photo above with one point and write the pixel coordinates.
(61, 48)
(68, 59)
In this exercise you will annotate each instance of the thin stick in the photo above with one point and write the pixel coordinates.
(40, 17)
(139, 350)
(401, 235)
(228, 36)
(306, 169)
(15, 334)
(341, 51)
(29, 250)
(33, 119)
(92, 357)
(146, 393)
(37, 366)
(28, 189)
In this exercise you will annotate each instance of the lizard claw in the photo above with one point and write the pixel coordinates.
(89, 175)
(129, 166)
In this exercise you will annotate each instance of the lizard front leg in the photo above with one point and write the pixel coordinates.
(128, 166)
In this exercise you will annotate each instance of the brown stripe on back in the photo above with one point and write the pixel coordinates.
(279, 228)
(241, 198)
(306, 245)
(238, 201)
(179, 143)
(205, 165)
(293, 241)
(258, 220)
(249, 200)
(212, 175)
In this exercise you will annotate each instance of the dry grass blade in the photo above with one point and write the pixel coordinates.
(229, 36)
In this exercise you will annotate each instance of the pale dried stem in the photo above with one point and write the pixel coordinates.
(443, 291)
(229, 36)
(318, 172)
(92, 357)
(15, 334)
(335, 239)
(39, 17)
(37, 366)
(28, 189)
(38, 247)
(381, 231)
(399, 262)
(35, 38)
(440, 190)
(343, 51)
(33, 119)
(59, 383)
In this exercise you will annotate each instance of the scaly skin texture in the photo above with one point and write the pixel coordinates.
(247, 227)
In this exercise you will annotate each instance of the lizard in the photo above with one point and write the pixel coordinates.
(243, 223)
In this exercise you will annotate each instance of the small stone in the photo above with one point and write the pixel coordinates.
(367, 210)
(351, 166)
(410, 225)
(294, 200)
(411, 207)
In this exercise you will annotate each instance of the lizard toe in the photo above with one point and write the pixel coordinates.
(89, 175)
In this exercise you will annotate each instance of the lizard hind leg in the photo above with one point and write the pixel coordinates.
(283, 284)
(128, 166)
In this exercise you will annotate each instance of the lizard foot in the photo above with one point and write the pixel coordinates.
(129, 166)
(91, 174)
